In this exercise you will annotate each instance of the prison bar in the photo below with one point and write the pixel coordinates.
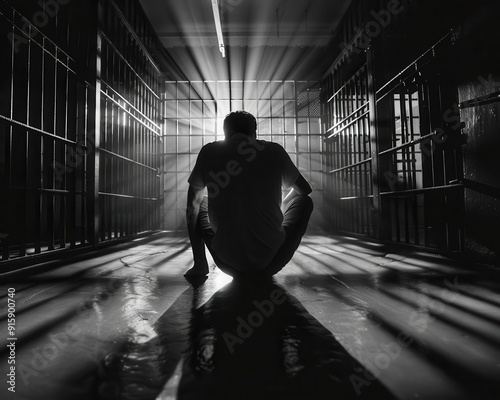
(59, 198)
(405, 145)
(480, 101)
(400, 113)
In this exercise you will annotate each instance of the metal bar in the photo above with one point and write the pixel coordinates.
(412, 137)
(349, 124)
(94, 119)
(123, 158)
(481, 188)
(413, 184)
(358, 72)
(422, 190)
(135, 37)
(399, 77)
(356, 197)
(366, 151)
(32, 34)
(404, 134)
(83, 122)
(481, 101)
(358, 109)
(130, 105)
(35, 143)
(408, 144)
(132, 115)
(350, 166)
(37, 130)
(46, 190)
(378, 219)
(126, 62)
(51, 191)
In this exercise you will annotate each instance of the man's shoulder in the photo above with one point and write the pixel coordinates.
(272, 146)
(211, 147)
(215, 144)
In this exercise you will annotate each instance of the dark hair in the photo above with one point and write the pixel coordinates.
(239, 122)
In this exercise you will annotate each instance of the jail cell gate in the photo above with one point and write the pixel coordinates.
(394, 155)
(79, 126)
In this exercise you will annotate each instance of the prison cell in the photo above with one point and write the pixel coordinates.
(130, 131)
(77, 168)
(390, 109)
(393, 146)
(422, 159)
(43, 136)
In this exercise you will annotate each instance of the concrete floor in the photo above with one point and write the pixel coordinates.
(343, 320)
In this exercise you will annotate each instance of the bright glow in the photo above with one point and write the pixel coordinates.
(218, 27)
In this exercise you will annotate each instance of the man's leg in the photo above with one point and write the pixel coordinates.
(295, 219)
(208, 233)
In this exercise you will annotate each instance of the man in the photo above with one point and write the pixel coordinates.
(241, 221)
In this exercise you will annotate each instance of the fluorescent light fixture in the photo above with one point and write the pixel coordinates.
(218, 27)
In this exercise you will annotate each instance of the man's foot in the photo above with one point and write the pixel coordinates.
(196, 275)
(196, 272)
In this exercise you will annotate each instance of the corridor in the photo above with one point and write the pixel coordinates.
(381, 115)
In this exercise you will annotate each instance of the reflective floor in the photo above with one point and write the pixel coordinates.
(344, 320)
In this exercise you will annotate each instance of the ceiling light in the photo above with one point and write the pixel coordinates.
(218, 27)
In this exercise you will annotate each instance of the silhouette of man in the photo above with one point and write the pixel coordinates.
(240, 220)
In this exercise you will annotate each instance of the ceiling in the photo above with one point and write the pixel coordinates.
(264, 39)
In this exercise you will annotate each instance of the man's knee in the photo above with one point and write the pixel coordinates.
(308, 203)
(297, 214)
(304, 202)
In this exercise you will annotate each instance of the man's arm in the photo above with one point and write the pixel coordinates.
(194, 199)
(300, 187)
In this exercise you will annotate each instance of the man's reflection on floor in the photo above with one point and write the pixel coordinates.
(247, 341)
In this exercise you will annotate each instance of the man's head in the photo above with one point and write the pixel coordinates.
(240, 122)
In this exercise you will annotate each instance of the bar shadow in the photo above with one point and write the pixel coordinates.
(203, 350)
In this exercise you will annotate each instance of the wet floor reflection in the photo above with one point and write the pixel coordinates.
(259, 342)
(245, 342)
(99, 330)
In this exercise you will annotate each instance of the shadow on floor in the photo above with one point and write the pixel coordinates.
(245, 342)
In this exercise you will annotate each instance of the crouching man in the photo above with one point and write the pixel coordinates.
(242, 220)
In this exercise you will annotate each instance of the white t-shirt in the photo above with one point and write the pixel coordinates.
(244, 178)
